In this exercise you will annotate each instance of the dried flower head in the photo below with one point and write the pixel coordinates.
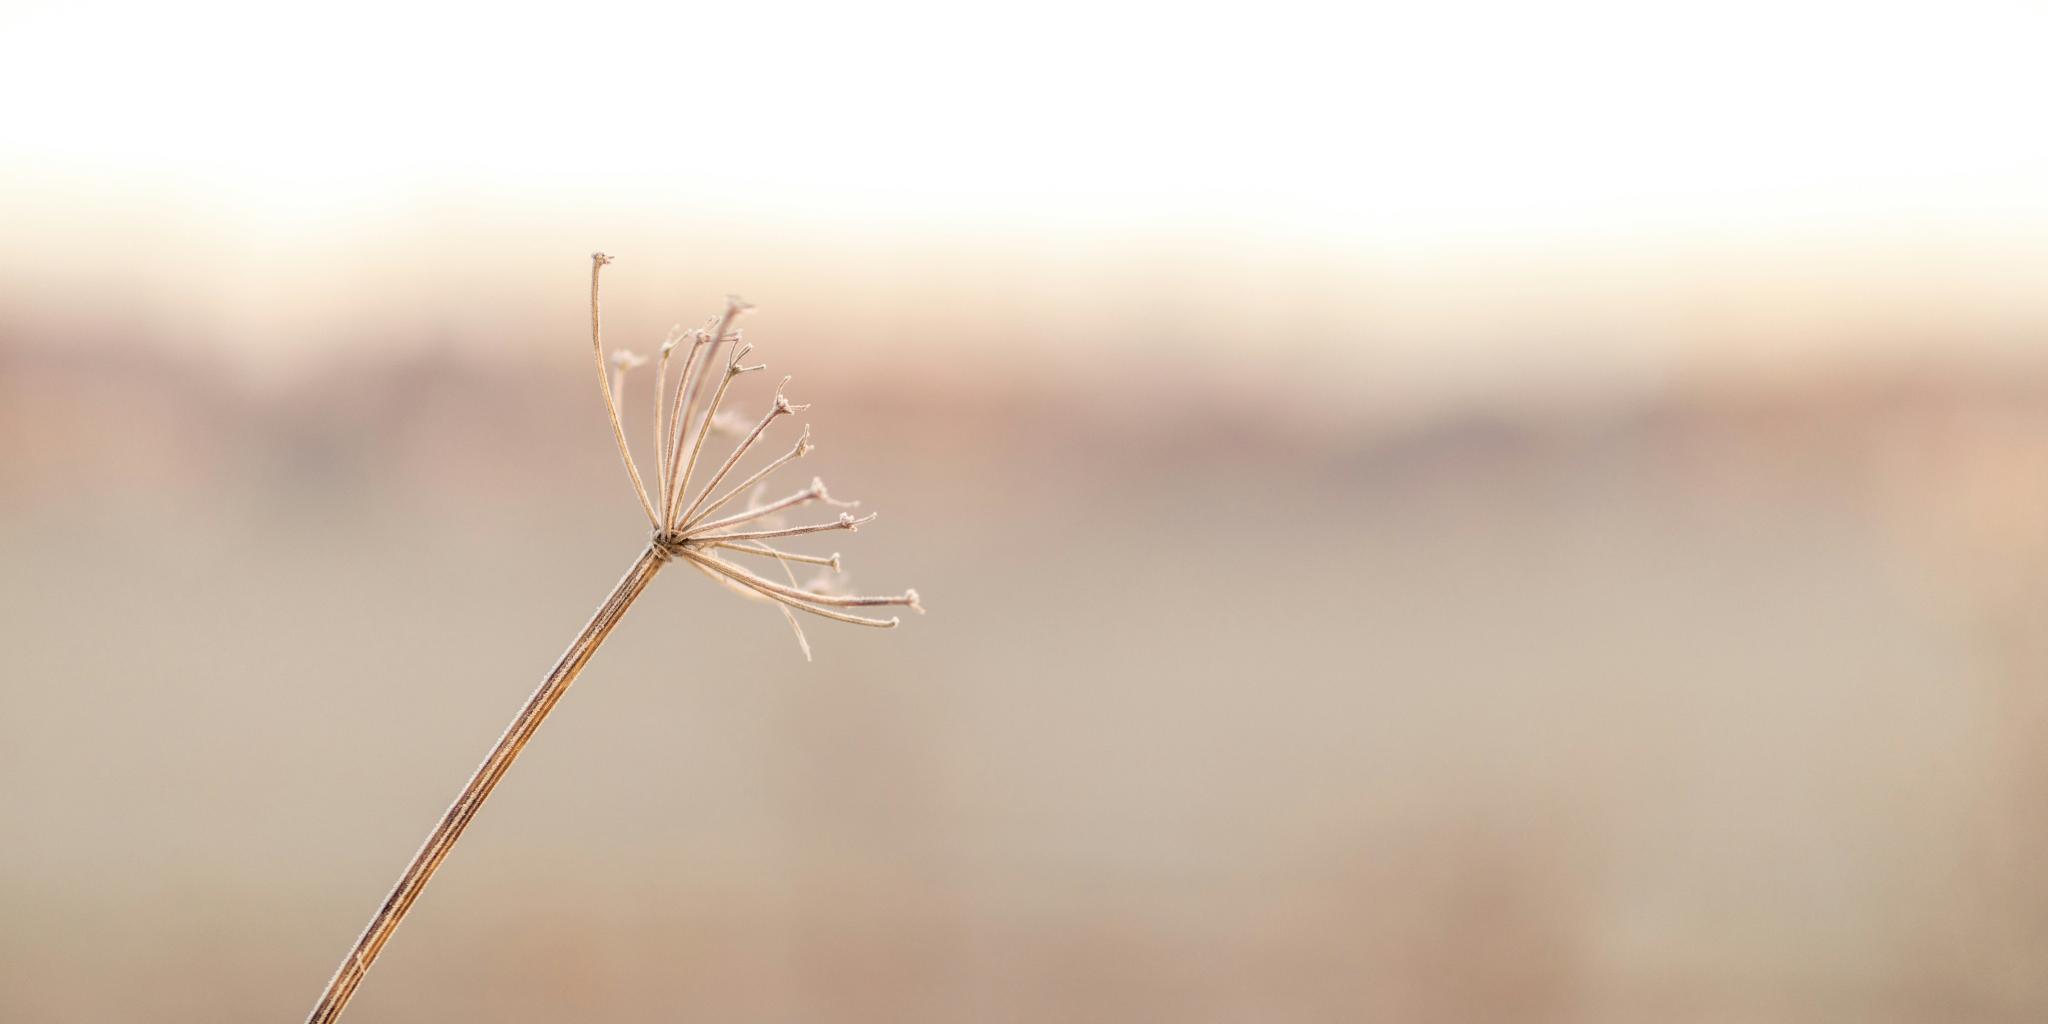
(687, 521)
(689, 525)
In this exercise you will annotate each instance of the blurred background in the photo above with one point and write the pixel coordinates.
(1453, 512)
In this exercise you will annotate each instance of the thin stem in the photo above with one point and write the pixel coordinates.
(781, 407)
(844, 522)
(907, 599)
(808, 494)
(788, 556)
(604, 380)
(803, 642)
(682, 481)
(733, 308)
(480, 784)
(661, 435)
(746, 579)
(679, 411)
(798, 451)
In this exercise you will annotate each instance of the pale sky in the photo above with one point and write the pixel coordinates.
(1429, 175)
(1410, 121)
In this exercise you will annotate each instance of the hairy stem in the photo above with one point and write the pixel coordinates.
(480, 784)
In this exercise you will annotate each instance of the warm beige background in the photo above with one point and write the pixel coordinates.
(1447, 517)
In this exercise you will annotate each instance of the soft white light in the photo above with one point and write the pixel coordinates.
(1415, 120)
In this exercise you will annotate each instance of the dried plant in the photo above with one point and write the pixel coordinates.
(684, 528)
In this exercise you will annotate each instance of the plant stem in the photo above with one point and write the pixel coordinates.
(480, 785)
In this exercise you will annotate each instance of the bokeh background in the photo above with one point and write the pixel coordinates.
(1430, 512)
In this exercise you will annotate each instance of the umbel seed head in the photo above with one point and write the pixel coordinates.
(685, 515)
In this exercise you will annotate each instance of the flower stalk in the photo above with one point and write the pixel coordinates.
(480, 784)
(682, 529)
